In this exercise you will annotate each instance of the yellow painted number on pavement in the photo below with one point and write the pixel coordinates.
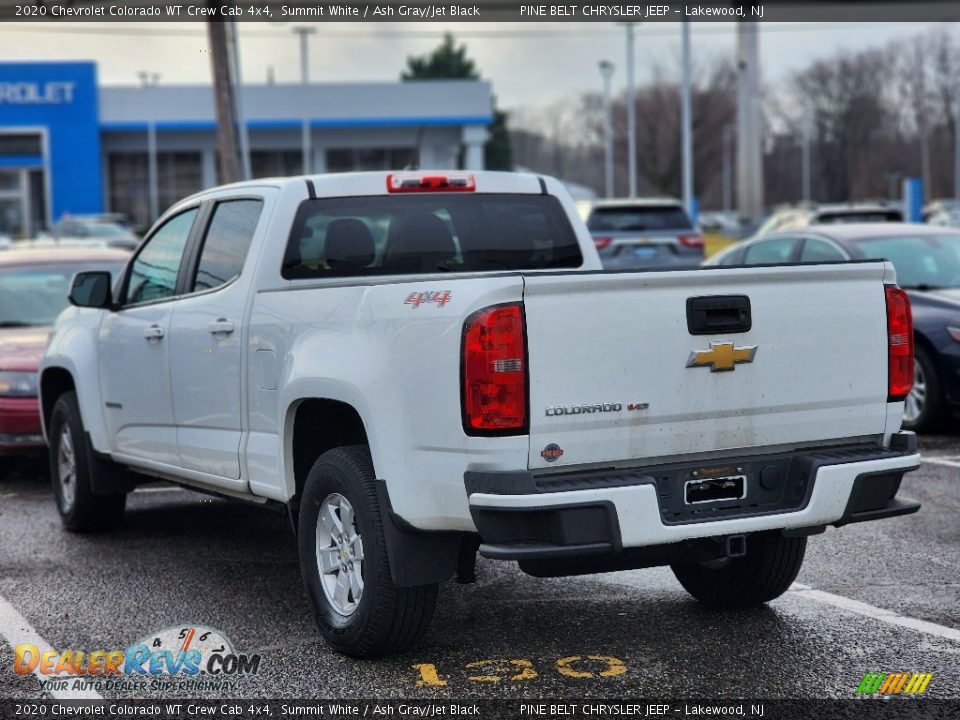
(500, 668)
(615, 666)
(428, 675)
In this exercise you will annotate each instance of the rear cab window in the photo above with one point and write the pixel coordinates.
(639, 218)
(430, 233)
(226, 243)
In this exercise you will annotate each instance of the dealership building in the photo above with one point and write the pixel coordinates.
(70, 147)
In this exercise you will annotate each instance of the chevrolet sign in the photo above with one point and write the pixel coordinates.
(32, 93)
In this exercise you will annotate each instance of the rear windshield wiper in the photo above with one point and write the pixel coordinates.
(14, 324)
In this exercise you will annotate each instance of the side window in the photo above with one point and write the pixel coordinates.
(731, 258)
(777, 250)
(815, 250)
(154, 272)
(227, 242)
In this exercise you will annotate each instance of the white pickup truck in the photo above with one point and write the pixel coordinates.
(420, 365)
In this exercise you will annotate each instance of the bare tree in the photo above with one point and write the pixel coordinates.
(846, 102)
(567, 138)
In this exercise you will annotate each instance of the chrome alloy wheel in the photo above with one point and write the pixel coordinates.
(67, 469)
(917, 399)
(340, 554)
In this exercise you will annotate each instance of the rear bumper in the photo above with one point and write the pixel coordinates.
(20, 432)
(521, 516)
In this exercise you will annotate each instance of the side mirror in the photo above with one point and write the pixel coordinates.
(91, 289)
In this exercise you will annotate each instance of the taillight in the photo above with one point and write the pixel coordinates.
(899, 344)
(495, 371)
(602, 242)
(691, 241)
(425, 182)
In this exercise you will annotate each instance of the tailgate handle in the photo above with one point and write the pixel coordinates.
(718, 314)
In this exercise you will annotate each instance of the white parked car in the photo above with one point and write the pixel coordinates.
(417, 364)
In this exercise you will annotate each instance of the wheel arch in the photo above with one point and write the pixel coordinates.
(54, 382)
(313, 426)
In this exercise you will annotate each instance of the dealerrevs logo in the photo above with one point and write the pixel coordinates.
(878, 684)
(173, 658)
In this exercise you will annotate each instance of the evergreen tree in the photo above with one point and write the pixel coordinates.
(448, 61)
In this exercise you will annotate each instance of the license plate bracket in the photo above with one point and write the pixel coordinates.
(715, 489)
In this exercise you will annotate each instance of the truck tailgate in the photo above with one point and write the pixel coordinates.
(609, 355)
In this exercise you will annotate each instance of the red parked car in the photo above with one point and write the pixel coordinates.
(33, 292)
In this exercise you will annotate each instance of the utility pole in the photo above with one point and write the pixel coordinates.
(227, 148)
(238, 87)
(606, 72)
(749, 140)
(631, 115)
(304, 31)
(686, 129)
(805, 181)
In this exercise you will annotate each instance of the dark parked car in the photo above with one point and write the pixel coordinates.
(33, 292)
(642, 233)
(927, 261)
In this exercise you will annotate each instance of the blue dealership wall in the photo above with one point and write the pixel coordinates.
(63, 98)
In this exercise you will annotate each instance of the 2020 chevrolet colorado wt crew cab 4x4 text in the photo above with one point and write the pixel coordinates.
(418, 363)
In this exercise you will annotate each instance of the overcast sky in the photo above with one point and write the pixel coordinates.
(529, 64)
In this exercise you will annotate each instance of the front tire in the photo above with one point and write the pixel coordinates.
(924, 408)
(71, 472)
(343, 561)
(764, 573)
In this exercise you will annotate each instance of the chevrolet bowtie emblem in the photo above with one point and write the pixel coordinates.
(722, 356)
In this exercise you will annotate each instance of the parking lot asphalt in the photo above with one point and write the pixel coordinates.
(875, 597)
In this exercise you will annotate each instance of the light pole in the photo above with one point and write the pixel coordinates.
(893, 180)
(749, 128)
(956, 148)
(148, 80)
(805, 177)
(631, 116)
(304, 31)
(606, 72)
(729, 131)
(687, 126)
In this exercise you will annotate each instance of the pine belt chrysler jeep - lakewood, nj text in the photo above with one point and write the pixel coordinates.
(420, 364)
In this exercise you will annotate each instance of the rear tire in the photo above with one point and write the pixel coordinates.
(764, 573)
(71, 472)
(924, 409)
(343, 561)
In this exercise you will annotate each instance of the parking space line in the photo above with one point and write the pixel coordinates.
(871, 611)
(941, 461)
(17, 631)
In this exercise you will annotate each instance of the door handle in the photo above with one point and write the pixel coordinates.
(221, 327)
(154, 332)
